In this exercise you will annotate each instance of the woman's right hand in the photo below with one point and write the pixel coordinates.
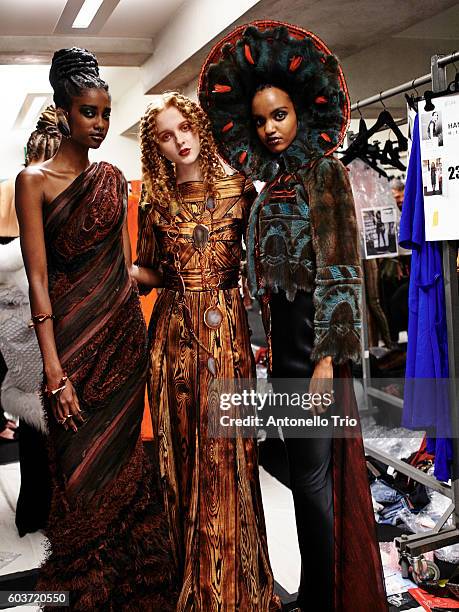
(146, 277)
(66, 408)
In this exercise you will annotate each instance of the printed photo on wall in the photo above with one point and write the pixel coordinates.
(432, 128)
(380, 231)
(432, 176)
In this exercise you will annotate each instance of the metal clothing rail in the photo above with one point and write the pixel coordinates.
(437, 62)
(438, 537)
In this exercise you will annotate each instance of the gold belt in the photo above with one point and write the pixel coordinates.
(194, 280)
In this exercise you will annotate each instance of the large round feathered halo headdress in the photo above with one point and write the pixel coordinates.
(287, 57)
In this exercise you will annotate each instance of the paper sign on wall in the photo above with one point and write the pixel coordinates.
(439, 133)
(380, 231)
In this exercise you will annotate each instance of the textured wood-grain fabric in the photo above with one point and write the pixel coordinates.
(211, 486)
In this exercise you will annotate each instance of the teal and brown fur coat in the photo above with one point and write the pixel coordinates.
(303, 236)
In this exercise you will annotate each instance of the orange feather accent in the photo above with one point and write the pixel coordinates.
(326, 137)
(248, 54)
(227, 127)
(295, 63)
(321, 100)
(242, 157)
(221, 88)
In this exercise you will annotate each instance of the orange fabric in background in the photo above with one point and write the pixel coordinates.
(147, 301)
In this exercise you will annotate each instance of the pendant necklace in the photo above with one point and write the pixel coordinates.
(213, 316)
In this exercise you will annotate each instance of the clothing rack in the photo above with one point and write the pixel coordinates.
(437, 78)
(416, 544)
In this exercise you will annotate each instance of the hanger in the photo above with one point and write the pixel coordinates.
(385, 119)
(369, 153)
(360, 146)
(390, 156)
(412, 100)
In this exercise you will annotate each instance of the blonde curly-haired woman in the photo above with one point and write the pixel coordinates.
(191, 222)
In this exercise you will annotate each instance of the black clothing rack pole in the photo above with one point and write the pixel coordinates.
(437, 62)
(439, 537)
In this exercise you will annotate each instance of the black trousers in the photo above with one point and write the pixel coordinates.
(310, 459)
(34, 500)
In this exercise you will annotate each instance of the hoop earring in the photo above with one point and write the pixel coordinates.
(62, 123)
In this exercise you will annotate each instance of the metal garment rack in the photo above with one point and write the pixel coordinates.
(438, 537)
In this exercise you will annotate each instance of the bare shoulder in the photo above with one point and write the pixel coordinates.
(31, 177)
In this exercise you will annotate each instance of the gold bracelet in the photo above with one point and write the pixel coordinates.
(40, 318)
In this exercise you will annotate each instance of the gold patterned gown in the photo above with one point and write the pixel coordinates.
(211, 487)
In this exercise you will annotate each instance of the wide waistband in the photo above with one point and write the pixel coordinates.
(195, 280)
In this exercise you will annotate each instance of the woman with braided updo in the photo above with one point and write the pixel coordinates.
(106, 528)
(191, 220)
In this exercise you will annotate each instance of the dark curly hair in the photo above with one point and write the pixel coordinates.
(72, 71)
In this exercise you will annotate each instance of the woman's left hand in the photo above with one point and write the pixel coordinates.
(322, 383)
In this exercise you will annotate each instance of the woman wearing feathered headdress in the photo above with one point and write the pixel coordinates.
(279, 108)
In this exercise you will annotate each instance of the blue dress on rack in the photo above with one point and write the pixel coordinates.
(426, 403)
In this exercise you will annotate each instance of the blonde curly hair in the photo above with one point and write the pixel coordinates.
(158, 173)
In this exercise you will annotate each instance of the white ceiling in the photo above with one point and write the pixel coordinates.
(18, 81)
(130, 19)
(140, 18)
(28, 17)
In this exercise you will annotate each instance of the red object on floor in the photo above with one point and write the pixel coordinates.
(429, 601)
(422, 455)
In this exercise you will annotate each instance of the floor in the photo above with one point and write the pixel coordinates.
(22, 554)
(16, 554)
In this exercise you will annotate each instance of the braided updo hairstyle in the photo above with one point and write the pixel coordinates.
(72, 71)
(44, 141)
(157, 171)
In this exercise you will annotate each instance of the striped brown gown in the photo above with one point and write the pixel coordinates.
(211, 485)
(106, 530)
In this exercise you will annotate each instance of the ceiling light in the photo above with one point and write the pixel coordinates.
(87, 13)
(32, 113)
